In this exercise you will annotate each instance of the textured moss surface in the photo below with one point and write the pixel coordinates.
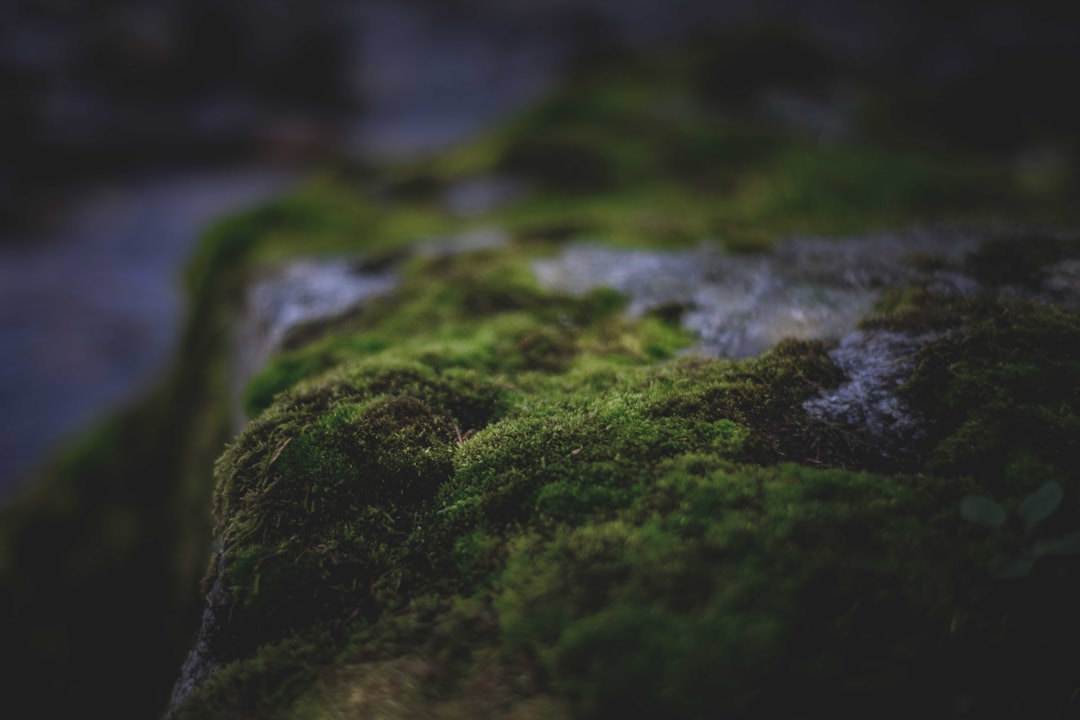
(626, 532)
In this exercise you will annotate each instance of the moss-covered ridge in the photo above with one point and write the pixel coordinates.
(532, 506)
(476, 497)
(622, 531)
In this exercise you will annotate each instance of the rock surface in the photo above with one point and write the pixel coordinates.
(298, 292)
(741, 305)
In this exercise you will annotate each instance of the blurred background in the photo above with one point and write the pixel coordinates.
(127, 125)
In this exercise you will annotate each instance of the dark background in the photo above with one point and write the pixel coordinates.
(90, 85)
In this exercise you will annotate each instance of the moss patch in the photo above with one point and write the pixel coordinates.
(623, 535)
(1003, 394)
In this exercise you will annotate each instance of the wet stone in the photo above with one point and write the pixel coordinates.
(876, 363)
(298, 292)
(741, 305)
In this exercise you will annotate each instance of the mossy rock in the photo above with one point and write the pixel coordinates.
(638, 542)
(476, 498)
(499, 500)
(316, 501)
(1003, 394)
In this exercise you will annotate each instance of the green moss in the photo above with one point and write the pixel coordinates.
(610, 524)
(1002, 392)
(767, 395)
(916, 309)
(603, 508)
(754, 593)
(624, 523)
(828, 189)
(475, 311)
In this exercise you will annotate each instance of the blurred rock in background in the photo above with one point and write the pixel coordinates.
(91, 85)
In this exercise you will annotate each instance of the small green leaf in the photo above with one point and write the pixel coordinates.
(978, 509)
(1067, 544)
(1037, 506)
(1013, 569)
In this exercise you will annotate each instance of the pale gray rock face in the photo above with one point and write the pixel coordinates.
(876, 363)
(201, 663)
(306, 290)
(741, 305)
(811, 289)
(298, 292)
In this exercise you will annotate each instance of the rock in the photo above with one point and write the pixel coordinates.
(741, 305)
(876, 362)
(201, 662)
(290, 295)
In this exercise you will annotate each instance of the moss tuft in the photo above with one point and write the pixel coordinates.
(767, 395)
(317, 500)
(1002, 392)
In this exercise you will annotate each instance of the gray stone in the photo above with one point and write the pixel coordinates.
(298, 292)
(808, 288)
(741, 305)
(201, 663)
(876, 363)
